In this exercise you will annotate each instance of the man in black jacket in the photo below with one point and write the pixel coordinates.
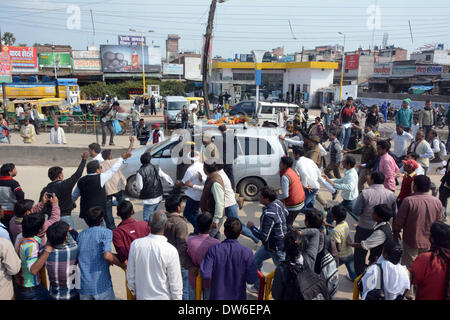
(444, 190)
(63, 189)
(10, 191)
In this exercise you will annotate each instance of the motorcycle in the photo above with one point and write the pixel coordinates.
(441, 120)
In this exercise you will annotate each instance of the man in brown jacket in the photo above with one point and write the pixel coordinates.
(368, 155)
(213, 197)
(415, 216)
(177, 235)
(313, 150)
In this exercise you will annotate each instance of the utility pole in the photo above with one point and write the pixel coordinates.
(5, 111)
(209, 29)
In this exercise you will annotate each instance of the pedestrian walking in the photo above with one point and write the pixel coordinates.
(157, 135)
(57, 135)
(402, 140)
(27, 132)
(142, 133)
(404, 116)
(426, 118)
(345, 122)
(153, 105)
(106, 122)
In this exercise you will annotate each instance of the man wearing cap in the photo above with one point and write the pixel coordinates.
(368, 155)
(410, 167)
(157, 135)
(211, 150)
(107, 122)
(194, 178)
(404, 116)
(402, 140)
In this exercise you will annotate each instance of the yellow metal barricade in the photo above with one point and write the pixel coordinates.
(355, 287)
(129, 295)
(198, 287)
(268, 289)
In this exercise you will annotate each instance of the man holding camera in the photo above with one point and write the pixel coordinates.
(107, 122)
(63, 189)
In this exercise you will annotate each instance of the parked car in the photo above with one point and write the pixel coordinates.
(257, 152)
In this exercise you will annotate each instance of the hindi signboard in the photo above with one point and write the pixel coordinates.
(352, 61)
(23, 59)
(381, 70)
(172, 69)
(131, 40)
(5, 68)
(50, 59)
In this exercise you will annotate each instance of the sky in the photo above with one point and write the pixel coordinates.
(239, 26)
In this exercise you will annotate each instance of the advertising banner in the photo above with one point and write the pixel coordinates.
(172, 68)
(126, 59)
(429, 70)
(381, 70)
(403, 71)
(130, 40)
(49, 59)
(23, 59)
(88, 65)
(85, 54)
(352, 61)
(5, 68)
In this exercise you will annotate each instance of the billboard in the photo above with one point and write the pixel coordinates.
(5, 68)
(49, 59)
(23, 59)
(130, 40)
(381, 70)
(404, 71)
(429, 70)
(86, 60)
(172, 68)
(352, 61)
(126, 59)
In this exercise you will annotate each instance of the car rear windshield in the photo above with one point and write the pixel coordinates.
(176, 105)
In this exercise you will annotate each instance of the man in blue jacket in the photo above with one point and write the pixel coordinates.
(405, 116)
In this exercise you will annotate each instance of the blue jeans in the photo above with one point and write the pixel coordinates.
(184, 124)
(191, 211)
(350, 265)
(263, 254)
(39, 293)
(310, 199)
(134, 125)
(232, 212)
(344, 138)
(69, 221)
(148, 210)
(107, 295)
(185, 277)
(205, 292)
(108, 220)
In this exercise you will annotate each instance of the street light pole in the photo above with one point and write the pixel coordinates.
(342, 67)
(143, 58)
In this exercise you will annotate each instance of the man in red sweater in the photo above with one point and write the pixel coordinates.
(410, 167)
(128, 230)
(293, 195)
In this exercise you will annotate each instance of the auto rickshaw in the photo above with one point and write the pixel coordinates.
(50, 107)
(200, 103)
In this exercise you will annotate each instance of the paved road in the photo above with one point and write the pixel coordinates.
(32, 179)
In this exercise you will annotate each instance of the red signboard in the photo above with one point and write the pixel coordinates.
(352, 62)
(23, 59)
(5, 68)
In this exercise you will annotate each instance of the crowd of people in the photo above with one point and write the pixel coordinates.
(401, 241)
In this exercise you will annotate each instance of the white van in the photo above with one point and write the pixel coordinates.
(172, 107)
(268, 111)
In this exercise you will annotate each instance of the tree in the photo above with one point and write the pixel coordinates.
(8, 39)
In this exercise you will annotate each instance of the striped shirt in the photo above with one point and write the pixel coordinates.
(95, 277)
(28, 251)
(62, 271)
(340, 234)
(272, 226)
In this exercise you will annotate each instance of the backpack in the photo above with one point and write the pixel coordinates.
(302, 283)
(378, 292)
(326, 267)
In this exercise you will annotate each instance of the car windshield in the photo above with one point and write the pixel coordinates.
(176, 105)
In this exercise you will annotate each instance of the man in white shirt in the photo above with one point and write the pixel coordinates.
(402, 139)
(57, 135)
(95, 152)
(280, 118)
(149, 186)
(423, 150)
(194, 191)
(154, 271)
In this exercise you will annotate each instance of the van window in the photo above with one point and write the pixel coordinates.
(266, 110)
(169, 146)
(256, 146)
(176, 105)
